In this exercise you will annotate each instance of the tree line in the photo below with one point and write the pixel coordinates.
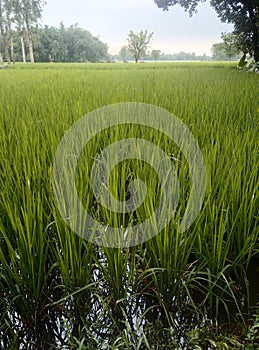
(157, 55)
(68, 44)
(138, 48)
(22, 39)
(18, 17)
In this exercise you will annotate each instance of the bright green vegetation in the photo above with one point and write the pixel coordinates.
(195, 288)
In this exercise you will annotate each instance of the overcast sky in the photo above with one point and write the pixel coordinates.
(112, 20)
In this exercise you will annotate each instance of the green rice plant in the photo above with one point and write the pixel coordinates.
(51, 279)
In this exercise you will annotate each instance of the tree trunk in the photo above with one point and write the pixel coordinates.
(22, 46)
(29, 36)
(256, 43)
(30, 48)
(255, 32)
(12, 49)
(256, 54)
(6, 48)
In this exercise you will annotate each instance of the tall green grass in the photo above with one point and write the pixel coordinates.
(58, 289)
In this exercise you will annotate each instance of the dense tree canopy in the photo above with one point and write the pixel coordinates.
(227, 49)
(244, 14)
(72, 44)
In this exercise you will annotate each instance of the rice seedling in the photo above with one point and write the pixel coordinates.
(58, 290)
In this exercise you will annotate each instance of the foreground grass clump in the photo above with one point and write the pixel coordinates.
(176, 290)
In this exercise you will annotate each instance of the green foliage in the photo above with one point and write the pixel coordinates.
(72, 44)
(22, 14)
(155, 54)
(186, 4)
(252, 334)
(138, 44)
(243, 14)
(181, 56)
(226, 50)
(124, 53)
(229, 45)
(218, 52)
(249, 66)
(242, 62)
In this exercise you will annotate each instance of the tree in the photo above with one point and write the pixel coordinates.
(72, 44)
(124, 53)
(155, 54)
(226, 50)
(23, 15)
(19, 22)
(218, 52)
(31, 13)
(230, 45)
(244, 15)
(5, 27)
(138, 44)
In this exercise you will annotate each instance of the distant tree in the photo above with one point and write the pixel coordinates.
(218, 52)
(124, 53)
(226, 50)
(183, 56)
(230, 46)
(72, 44)
(155, 54)
(244, 14)
(138, 44)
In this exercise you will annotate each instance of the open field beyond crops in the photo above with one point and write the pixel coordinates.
(175, 291)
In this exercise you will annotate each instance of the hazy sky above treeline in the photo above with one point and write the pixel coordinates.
(111, 20)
